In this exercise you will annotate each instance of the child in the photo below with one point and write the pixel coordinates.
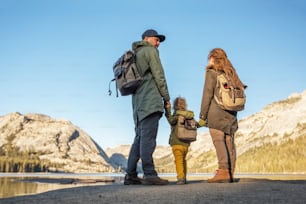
(179, 147)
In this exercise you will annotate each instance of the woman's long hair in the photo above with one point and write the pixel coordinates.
(223, 64)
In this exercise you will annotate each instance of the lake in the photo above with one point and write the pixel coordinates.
(17, 184)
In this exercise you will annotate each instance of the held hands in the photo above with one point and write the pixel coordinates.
(167, 104)
(202, 123)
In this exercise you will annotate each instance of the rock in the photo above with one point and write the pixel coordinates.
(65, 147)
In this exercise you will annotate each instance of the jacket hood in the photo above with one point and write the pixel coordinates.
(187, 113)
(139, 44)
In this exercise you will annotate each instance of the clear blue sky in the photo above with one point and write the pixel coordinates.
(56, 56)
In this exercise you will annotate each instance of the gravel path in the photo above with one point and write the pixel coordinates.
(244, 191)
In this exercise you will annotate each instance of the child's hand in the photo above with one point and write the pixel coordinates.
(202, 123)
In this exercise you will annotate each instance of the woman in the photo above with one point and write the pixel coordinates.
(222, 124)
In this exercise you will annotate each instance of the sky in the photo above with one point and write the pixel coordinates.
(57, 56)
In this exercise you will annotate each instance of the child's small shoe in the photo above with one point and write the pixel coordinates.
(181, 181)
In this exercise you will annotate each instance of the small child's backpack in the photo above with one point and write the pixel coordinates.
(126, 74)
(227, 96)
(186, 129)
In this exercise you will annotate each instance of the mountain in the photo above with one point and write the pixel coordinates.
(272, 140)
(36, 142)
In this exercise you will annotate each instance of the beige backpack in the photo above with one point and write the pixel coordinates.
(186, 129)
(227, 96)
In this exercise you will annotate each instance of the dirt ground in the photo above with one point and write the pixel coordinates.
(245, 190)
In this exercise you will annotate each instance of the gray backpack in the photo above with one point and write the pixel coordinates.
(126, 74)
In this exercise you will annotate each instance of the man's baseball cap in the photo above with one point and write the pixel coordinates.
(153, 33)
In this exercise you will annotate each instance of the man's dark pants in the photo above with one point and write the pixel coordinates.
(144, 145)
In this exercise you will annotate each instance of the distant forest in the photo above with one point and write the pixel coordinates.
(13, 160)
(289, 156)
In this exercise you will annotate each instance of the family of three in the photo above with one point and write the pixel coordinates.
(152, 99)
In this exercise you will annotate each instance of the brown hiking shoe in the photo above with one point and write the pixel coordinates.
(222, 176)
(132, 180)
(154, 180)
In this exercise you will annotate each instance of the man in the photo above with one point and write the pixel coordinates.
(148, 107)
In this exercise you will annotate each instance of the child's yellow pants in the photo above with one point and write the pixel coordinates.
(180, 152)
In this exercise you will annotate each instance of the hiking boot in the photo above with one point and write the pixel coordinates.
(132, 180)
(154, 180)
(232, 176)
(222, 176)
(181, 181)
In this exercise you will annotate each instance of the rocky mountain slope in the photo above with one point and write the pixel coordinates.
(279, 125)
(57, 145)
(272, 140)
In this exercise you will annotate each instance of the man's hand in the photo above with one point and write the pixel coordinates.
(167, 104)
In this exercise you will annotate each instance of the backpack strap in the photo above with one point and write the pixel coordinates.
(109, 89)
